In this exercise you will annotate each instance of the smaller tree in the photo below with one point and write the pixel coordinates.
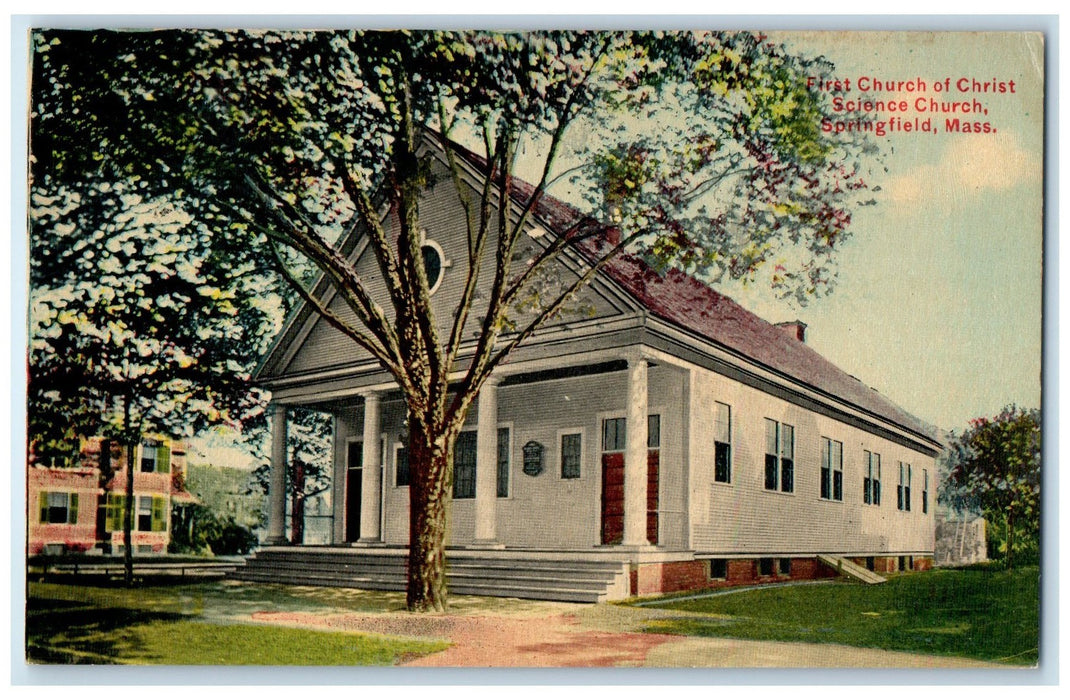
(308, 465)
(996, 465)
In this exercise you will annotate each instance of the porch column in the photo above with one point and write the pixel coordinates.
(277, 479)
(338, 479)
(371, 486)
(487, 464)
(635, 455)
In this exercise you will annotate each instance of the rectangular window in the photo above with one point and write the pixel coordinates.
(831, 469)
(571, 455)
(464, 466)
(779, 456)
(924, 490)
(719, 569)
(614, 434)
(401, 465)
(653, 432)
(722, 442)
(903, 489)
(143, 523)
(765, 566)
(58, 508)
(159, 514)
(784, 567)
(504, 451)
(871, 483)
(155, 457)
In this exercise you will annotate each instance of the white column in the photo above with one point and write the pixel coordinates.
(277, 479)
(487, 464)
(371, 484)
(338, 481)
(635, 455)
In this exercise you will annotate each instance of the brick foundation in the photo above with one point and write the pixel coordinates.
(670, 577)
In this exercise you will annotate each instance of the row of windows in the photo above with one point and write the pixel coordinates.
(57, 507)
(767, 566)
(780, 464)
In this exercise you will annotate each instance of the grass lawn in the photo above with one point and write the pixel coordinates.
(980, 613)
(183, 625)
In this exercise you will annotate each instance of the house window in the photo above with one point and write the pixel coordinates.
(155, 457)
(58, 508)
(722, 443)
(401, 465)
(783, 567)
(571, 455)
(831, 469)
(504, 451)
(871, 483)
(903, 490)
(653, 432)
(779, 456)
(765, 566)
(924, 490)
(719, 569)
(614, 434)
(464, 465)
(144, 514)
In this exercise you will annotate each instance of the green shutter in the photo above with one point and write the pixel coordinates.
(72, 509)
(42, 504)
(159, 514)
(163, 457)
(113, 518)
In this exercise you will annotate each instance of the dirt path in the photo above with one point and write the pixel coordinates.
(562, 635)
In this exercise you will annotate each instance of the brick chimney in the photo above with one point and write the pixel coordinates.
(796, 329)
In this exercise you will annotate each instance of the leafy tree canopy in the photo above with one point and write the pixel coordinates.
(995, 466)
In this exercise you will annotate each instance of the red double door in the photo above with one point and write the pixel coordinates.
(613, 497)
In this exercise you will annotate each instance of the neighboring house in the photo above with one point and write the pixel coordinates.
(80, 509)
(961, 538)
(758, 454)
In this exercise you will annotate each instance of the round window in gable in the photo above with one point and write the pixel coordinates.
(434, 264)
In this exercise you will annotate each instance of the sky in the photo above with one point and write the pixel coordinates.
(938, 301)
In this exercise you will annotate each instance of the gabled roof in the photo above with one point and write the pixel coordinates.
(691, 304)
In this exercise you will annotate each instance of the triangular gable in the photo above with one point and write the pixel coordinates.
(308, 344)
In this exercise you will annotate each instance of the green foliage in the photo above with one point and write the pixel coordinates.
(978, 613)
(995, 466)
(197, 529)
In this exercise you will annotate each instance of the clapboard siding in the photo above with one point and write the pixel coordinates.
(547, 511)
(442, 217)
(743, 517)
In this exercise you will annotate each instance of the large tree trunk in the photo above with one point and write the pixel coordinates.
(430, 469)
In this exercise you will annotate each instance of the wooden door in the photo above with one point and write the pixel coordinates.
(612, 497)
(354, 489)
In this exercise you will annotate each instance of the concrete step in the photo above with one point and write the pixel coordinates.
(570, 580)
(848, 568)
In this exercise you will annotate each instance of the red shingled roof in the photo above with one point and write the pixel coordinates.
(693, 305)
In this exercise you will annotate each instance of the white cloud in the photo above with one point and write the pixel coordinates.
(971, 166)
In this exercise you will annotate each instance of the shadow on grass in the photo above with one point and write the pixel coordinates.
(69, 632)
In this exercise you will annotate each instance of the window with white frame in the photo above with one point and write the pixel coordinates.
(831, 469)
(155, 457)
(903, 490)
(924, 490)
(464, 465)
(722, 443)
(571, 455)
(401, 465)
(58, 507)
(871, 482)
(779, 456)
(504, 453)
